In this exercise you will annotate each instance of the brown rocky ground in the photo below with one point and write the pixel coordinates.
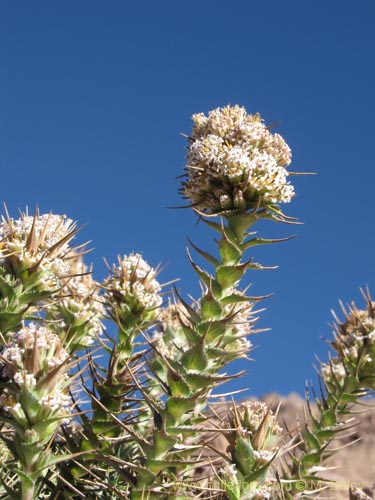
(352, 466)
(351, 469)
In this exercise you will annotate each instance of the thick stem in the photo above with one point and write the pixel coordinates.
(28, 485)
(240, 223)
(205, 356)
(28, 492)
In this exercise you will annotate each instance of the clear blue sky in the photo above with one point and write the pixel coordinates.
(94, 95)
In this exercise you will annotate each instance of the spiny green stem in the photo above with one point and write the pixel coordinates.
(195, 373)
(323, 429)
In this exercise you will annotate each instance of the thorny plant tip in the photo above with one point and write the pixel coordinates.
(112, 390)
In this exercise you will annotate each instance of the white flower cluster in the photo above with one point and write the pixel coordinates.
(263, 492)
(29, 363)
(229, 472)
(264, 456)
(253, 413)
(359, 329)
(334, 370)
(255, 432)
(235, 162)
(241, 324)
(41, 238)
(169, 337)
(250, 490)
(79, 306)
(133, 285)
(355, 347)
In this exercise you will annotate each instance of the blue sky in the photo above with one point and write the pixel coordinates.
(94, 96)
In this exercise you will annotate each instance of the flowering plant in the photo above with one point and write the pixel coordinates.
(109, 390)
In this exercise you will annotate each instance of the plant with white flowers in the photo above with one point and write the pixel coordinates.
(111, 390)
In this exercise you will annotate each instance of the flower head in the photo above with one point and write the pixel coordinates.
(253, 419)
(334, 371)
(78, 311)
(235, 162)
(34, 366)
(38, 243)
(132, 293)
(355, 347)
(241, 325)
(169, 337)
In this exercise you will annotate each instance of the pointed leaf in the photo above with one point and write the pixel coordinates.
(229, 252)
(162, 443)
(176, 407)
(228, 276)
(262, 241)
(328, 418)
(324, 435)
(351, 384)
(212, 329)
(205, 381)
(312, 441)
(203, 275)
(259, 267)
(311, 459)
(46, 462)
(259, 474)
(195, 358)
(210, 308)
(192, 335)
(28, 480)
(194, 315)
(244, 455)
(178, 388)
(212, 225)
(210, 258)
